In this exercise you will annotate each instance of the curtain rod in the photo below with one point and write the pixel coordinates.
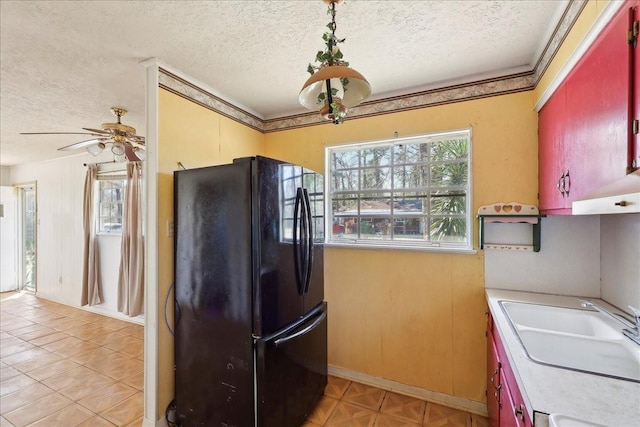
(100, 163)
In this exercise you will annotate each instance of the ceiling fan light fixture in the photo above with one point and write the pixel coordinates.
(333, 87)
(96, 149)
(118, 148)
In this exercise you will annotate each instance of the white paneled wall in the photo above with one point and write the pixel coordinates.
(567, 264)
(620, 259)
(60, 186)
(594, 255)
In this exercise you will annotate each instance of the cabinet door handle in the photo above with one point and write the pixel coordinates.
(560, 185)
(518, 411)
(496, 393)
(493, 376)
(566, 183)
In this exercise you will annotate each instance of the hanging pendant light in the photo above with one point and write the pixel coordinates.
(333, 87)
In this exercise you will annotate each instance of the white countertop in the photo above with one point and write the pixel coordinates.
(548, 390)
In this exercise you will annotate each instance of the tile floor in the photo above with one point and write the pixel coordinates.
(63, 366)
(351, 404)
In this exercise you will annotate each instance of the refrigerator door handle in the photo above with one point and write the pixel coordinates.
(297, 228)
(309, 263)
(301, 332)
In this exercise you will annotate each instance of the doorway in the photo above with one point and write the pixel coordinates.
(27, 232)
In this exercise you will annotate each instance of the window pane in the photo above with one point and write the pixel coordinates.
(410, 205)
(375, 205)
(345, 159)
(376, 178)
(449, 174)
(345, 226)
(409, 228)
(375, 228)
(448, 229)
(105, 209)
(346, 204)
(451, 149)
(380, 156)
(413, 176)
(345, 180)
(110, 207)
(411, 153)
(453, 203)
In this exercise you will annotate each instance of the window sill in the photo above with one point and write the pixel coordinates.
(432, 249)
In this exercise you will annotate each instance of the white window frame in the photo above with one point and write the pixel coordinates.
(99, 201)
(404, 241)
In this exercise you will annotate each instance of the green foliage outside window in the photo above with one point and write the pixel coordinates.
(402, 192)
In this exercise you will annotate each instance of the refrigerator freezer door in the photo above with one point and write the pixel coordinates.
(302, 218)
(277, 300)
(291, 371)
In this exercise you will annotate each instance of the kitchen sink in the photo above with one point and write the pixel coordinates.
(561, 319)
(574, 339)
(558, 420)
(606, 357)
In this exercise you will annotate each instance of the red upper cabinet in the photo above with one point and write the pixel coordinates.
(634, 136)
(551, 158)
(585, 127)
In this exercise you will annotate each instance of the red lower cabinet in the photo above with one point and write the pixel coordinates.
(504, 400)
(493, 383)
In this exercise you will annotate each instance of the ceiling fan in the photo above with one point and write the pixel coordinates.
(125, 144)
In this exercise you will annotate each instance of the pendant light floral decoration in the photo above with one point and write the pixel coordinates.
(333, 87)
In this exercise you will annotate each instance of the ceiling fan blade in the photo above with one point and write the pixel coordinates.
(98, 131)
(136, 139)
(84, 144)
(131, 155)
(61, 133)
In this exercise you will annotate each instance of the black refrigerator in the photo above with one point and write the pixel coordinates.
(251, 323)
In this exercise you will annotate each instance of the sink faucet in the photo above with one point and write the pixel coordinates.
(631, 330)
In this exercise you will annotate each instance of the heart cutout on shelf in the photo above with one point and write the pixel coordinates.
(497, 208)
(507, 208)
(517, 208)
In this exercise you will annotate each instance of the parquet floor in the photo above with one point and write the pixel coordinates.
(351, 404)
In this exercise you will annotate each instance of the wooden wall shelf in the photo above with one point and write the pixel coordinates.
(506, 213)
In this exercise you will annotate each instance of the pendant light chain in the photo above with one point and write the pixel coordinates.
(332, 40)
(326, 89)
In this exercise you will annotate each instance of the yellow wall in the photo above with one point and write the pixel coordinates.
(196, 137)
(416, 317)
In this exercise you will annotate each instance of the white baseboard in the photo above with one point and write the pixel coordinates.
(94, 309)
(162, 422)
(116, 315)
(461, 403)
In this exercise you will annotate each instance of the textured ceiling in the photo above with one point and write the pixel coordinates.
(65, 63)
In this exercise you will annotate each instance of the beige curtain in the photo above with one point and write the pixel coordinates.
(131, 278)
(91, 286)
